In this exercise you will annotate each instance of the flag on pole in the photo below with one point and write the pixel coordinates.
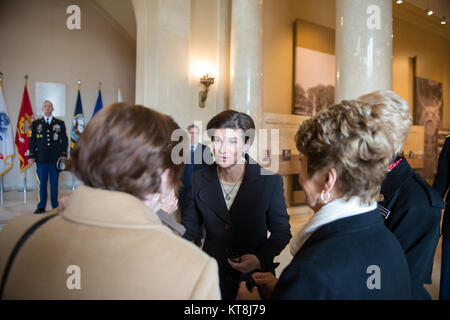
(23, 131)
(119, 95)
(78, 122)
(99, 103)
(6, 137)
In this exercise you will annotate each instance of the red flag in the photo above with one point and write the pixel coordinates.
(23, 131)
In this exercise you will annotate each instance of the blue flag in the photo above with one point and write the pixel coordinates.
(99, 103)
(78, 122)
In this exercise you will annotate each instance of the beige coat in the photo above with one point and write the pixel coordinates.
(120, 246)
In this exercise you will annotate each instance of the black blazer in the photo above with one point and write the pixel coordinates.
(333, 263)
(415, 217)
(259, 207)
(442, 183)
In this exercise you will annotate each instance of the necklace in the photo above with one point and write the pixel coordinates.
(227, 194)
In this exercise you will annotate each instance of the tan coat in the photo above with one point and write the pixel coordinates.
(120, 246)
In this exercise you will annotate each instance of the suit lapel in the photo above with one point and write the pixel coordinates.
(211, 193)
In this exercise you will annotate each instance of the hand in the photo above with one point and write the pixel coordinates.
(266, 282)
(30, 161)
(63, 159)
(152, 201)
(245, 264)
(169, 203)
(244, 294)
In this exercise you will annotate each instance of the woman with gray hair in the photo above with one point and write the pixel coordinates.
(412, 207)
(344, 251)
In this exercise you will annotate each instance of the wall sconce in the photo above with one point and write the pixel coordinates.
(206, 81)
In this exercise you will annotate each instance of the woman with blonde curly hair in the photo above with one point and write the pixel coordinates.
(344, 251)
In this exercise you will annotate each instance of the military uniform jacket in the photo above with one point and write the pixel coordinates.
(48, 142)
(415, 215)
(441, 184)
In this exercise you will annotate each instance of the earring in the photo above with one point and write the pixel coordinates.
(243, 157)
(325, 194)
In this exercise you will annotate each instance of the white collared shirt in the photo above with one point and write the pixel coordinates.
(48, 120)
(193, 145)
(332, 211)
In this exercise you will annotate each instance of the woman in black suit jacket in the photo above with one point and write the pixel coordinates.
(344, 251)
(237, 202)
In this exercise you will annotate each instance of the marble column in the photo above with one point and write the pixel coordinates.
(162, 55)
(246, 53)
(363, 47)
(223, 59)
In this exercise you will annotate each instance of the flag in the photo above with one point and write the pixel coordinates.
(23, 131)
(119, 95)
(99, 103)
(6, 137)
(77, 123)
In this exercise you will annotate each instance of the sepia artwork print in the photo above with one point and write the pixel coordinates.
(428, 104)
(314, 81)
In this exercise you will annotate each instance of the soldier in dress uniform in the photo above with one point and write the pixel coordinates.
(410, 206)
(442, 185)
(48, 146)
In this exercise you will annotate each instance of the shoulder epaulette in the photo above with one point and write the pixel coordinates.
(433, 195)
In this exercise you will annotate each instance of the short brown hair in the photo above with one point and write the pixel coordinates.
(230, 119)
(126, 148)
(348, 137)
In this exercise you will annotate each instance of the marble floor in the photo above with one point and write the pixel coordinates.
(15, 205)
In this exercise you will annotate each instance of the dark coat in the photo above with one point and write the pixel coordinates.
(259, 207)
(415, 216)
(48, 142)
(201, 158)
(334, 263)
(442, 184)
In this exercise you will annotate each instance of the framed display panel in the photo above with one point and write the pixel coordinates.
(280, 154)
(314, 68)
(428, 109)
(413, 148)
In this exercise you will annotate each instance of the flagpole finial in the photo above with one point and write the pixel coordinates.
(99, 84)
(79, 84)
(26, 78)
